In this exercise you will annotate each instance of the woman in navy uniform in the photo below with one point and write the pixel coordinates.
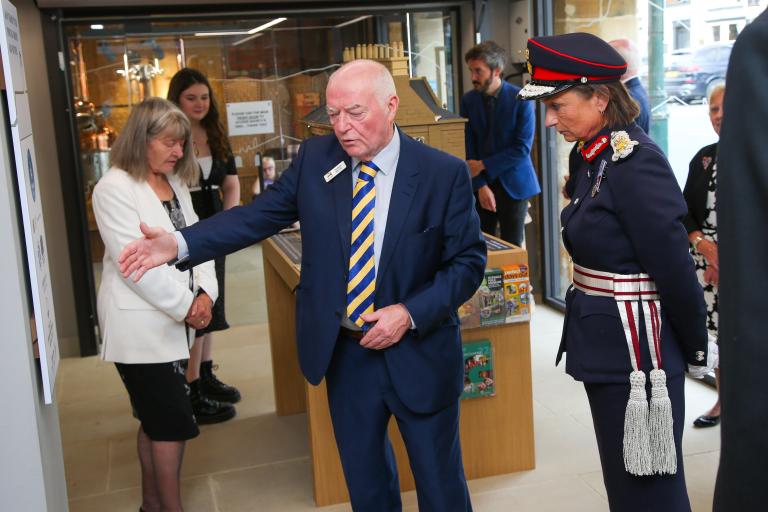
(635, 315)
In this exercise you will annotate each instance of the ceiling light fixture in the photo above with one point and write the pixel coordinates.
(267, 25)
(350, 22)
(245, 39)
(230, 33)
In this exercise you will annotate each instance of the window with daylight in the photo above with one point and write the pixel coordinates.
(733, 32)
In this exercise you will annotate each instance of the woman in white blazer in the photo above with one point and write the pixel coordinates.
(147, 326)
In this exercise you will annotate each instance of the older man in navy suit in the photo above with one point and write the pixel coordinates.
(391, 246)
(498, 143)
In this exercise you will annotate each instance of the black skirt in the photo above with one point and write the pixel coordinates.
(160, 398)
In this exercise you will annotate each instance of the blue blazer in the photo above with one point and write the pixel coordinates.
(640, 95)
(510, 159)
(633, 224)
(432, 259)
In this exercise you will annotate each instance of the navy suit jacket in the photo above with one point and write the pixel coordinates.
(510, 159)
(742, 195)
(640, 95)
(432, 259)
(632, 225)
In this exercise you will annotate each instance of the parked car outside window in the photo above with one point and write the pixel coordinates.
(691, 77)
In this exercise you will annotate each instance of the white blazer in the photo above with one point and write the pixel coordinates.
(143, 322)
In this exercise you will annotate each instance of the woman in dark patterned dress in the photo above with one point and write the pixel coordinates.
(701, 223)
(219, 190)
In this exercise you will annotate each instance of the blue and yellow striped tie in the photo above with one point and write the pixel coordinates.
(362, 269)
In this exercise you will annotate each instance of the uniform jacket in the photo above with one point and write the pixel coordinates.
(432, 259)
(142, 322)
(514, 126)
(697, 186)
(638, 93)
(632, 225)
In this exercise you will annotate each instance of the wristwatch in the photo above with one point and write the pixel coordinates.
(696, 241)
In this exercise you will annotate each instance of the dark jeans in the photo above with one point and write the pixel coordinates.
(509, 214)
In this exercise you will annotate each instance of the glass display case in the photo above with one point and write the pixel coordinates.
(281, 62)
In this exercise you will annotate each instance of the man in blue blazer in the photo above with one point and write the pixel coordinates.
(498, 143)
(423, 257)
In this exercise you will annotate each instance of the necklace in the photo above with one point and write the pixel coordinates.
(199, 143)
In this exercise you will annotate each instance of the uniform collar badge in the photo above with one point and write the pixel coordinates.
(705, 161)
(591, 151)
(622, 145)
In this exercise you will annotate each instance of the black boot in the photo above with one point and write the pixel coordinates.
(208, 411)
(213, 388)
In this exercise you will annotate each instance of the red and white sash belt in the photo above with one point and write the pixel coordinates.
(620, 286)
(649, 444)
(628, 290)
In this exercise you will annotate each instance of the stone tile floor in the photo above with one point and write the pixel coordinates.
(260, 462)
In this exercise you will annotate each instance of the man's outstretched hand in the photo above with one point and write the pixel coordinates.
(156, 247)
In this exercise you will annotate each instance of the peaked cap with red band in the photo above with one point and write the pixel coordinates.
(557, 63)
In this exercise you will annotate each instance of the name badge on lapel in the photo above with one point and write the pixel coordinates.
(335, 171)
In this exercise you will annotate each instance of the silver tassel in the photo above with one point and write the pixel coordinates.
(663, 453)
(637, 457)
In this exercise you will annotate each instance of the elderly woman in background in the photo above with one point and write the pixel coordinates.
(701, 223)
(635, 308)
(147, 326)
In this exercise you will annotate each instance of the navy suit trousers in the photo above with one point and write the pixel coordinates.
(362, 400)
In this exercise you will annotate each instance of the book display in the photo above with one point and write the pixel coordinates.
(478, 370)
(497, 406)
(517, 293)
(503, 298)
(493, 310)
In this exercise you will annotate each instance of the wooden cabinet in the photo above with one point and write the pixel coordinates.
(496, 432)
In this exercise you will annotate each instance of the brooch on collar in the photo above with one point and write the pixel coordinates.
(622, 145)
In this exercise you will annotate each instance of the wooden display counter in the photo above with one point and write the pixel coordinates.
(496, 432)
